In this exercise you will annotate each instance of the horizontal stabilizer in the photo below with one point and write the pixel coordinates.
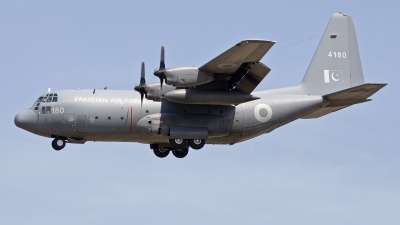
(345, 98)
(353, 95)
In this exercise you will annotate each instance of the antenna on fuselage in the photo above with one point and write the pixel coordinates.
(49, 90)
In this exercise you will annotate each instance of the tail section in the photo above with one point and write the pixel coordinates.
(336, 64)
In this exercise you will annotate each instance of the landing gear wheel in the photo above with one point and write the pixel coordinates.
(58, 143)
(197, 143)
(181, 153)
(178, 143)
(160, 152)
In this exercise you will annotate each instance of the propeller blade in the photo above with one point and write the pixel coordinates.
(160, 73)
(141, 99)
(162, 59)
(142, 78)
(141, 88)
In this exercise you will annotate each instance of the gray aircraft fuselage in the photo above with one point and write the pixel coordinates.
(117, 115)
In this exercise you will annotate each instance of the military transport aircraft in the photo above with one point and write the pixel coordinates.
(213, 104)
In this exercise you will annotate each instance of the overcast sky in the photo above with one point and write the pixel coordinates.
(339, 169)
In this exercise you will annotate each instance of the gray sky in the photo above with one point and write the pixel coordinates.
(340, 169)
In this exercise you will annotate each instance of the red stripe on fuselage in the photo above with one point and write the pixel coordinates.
(130, 127)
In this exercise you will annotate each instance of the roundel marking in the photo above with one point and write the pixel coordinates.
(226, 65)
(259, 113)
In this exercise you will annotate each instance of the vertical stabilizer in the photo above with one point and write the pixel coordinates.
(336, 64)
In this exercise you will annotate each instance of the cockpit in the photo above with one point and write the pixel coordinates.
(48, 98)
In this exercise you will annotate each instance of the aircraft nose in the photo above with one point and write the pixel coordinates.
(26, 120)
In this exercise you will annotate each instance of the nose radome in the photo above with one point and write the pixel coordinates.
(26, 120)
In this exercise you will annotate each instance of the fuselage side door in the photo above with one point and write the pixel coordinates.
(237, 123)
(81, 123)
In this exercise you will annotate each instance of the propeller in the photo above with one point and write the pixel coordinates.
(161, 71)
(141, 88)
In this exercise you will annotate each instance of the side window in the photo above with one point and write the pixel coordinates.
(43, 110)
(48, 109)
(55, 99)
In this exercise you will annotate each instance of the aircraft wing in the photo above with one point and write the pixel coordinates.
(239, 66)
(233, 58)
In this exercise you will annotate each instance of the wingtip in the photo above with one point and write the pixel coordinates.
(257, 40)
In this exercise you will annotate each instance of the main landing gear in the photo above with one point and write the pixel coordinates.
(160, 151)
(58, 143)
(180, 147)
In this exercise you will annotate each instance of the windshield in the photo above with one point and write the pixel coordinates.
(53, 97)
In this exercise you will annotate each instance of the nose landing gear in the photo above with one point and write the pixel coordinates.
(58, 143)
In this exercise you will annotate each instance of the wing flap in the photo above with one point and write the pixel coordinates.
(250, 81)
(233, 58)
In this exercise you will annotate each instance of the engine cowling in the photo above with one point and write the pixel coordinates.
(187, 76)
(155, 93)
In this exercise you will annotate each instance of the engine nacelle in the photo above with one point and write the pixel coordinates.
(187, 76)
(155, 93)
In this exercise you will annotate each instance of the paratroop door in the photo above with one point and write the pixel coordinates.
(81, 123)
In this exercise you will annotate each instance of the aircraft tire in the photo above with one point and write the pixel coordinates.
(181, 153)
(197, 143)
(58, 143)
(160, 152)
(178, 143)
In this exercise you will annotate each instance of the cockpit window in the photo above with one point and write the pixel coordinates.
(40, 99)
(52, 97)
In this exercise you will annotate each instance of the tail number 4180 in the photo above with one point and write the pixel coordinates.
(337, 55)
